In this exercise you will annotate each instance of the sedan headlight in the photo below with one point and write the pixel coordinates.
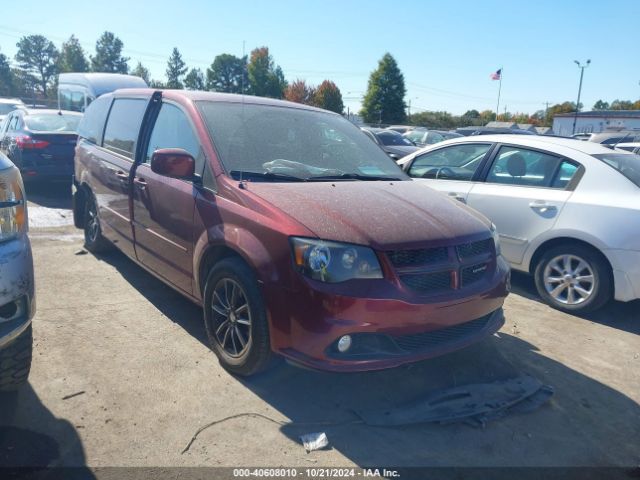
(334, 262)
(496, 239)
(12, 204)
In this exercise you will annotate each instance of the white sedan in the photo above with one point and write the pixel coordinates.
(567, 211)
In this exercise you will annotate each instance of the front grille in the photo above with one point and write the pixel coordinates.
(469, 275)
(438, 338)
(473, 249)
(428, 282)
(426, 256)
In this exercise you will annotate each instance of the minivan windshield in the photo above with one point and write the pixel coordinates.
(52, 122)
(274, 143)
(628, 164)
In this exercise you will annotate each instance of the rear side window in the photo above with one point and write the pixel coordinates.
(123, 125)
(628, 164)
(92, 123)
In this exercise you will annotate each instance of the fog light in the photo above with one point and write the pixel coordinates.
(344, 343)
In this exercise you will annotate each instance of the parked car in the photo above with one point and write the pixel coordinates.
(567, 211)
(633, 147)
(41, 143)
(581, 136)
(424, 137)
(17, 294)
(612, 138)
(401, 129)
(289, 226)
(466, 131)
(8, 105)
(76, 91)
(393, 143)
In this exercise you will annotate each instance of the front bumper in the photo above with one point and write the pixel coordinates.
(626, 273)
(386, 332)
(17, 292)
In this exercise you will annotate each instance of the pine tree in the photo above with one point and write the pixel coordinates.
(194, 80)
(72, 57)
(38, 57)
(109, 55)
(176, 68)
(384, 100)
(329, 97)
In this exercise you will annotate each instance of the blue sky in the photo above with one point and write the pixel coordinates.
(446, 50)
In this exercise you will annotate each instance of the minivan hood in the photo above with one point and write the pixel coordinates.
(378, 213)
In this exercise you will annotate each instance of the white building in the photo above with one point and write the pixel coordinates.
(596, 121)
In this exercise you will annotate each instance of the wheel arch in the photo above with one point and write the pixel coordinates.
(565, 240)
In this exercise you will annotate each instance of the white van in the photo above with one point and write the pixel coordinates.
(77, 90)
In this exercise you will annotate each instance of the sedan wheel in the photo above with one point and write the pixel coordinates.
(574, 278)
(569, 279)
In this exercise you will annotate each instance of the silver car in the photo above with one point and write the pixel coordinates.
(567, 211)
(17, 295)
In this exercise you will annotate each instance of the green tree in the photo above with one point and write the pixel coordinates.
(228, 73)
(108, 56)
(265, 78)
(429, 119)
(6, 78)
(621, 105)
(601, 105)
(565, 107)
(194, 80)
(142, 72)
(384, 100)
(329, 97)
(38, 57)
(176, 68)
(299, 92)
(157, 84)
(24, 84)
(72, 57)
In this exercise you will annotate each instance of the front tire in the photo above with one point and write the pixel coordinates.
(574, 279)
(15, 361)
(236, 319)
(93, 239)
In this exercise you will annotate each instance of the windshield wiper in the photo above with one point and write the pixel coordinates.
(352, 176)
(242, 175)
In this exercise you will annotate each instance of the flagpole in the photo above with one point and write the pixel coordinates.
(499, 89)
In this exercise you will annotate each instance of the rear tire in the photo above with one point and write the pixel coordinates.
(574, 278)
(93, 239)
(15, 361)
(236, 319)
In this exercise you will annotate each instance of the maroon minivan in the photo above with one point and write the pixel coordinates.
(295, 233)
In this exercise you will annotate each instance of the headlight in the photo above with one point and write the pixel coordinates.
(496, 238)
(334, 262)
(13, 219)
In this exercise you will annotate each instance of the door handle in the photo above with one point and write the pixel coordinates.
(457, 196)
(122, 175)
(541, 205)
(140, 182)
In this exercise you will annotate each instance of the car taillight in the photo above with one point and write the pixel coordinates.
(26, 142)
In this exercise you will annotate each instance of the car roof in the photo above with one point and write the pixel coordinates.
(196, 95)
(11, 100)
(539, 141)
(48, 111)
(628, 144)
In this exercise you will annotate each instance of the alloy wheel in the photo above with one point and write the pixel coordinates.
(93, 225)
(569, 279)
(231, 317)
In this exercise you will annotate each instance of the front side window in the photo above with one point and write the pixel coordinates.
(123, 125)
(292, 144)
(173, 130)
(416, 136)
(521, 166)
(457, 162)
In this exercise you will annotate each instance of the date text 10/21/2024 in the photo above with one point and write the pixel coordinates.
(317, 472)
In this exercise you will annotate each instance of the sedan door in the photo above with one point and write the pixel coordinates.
(523, 194)
(451, 169)
(163, 207)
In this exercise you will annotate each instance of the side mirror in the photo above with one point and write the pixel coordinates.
(174, 163)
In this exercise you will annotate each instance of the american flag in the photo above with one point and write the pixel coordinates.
(496, 75)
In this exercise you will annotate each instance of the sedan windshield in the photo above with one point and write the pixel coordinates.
(290, 144)
(628, 164)
(52, 122)
(393, 138)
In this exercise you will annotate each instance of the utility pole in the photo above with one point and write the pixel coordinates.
(581, 67)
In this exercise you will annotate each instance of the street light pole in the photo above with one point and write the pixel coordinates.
(581, 67)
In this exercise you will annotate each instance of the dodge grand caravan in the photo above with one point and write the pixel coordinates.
(295, 233)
